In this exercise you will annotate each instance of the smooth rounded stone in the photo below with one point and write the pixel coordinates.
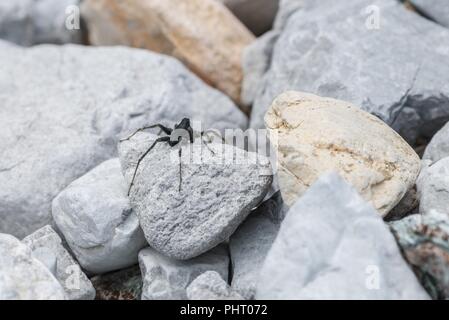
(437, 10)
(23, 277)
(220, 185)
(167, 279)
(95, 217)
(257, 15)
(31, 22)
(433, 187)
(211, 286)
(251, 242)
(335, 49)
(93, 96)
(67, 271)
(313, 135)
(124, 284)
(333, 245)
(203, 34)
(438, 148)
(424, 240)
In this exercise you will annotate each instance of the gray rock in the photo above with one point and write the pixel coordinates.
(251, 242)
(211, 286)
(433, 187)
(424, 240)
(438, 148)
(397, 71)
(95, 217)
(437, 10)
(30, 22)
(185, 219)
(23, 277)
(124, 284)
(257, 15)
(167, 279)
(93, 96)
(46, 241)
(334, 245)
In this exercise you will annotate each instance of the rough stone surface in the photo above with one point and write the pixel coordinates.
(257, 15)
(333, 245)
(314, 135)
(397, 71)
(46, 241)
(167, 279)
(30, 22)
(97, 220)
(23, 277)
(437, 10)
(217, 192)
(119, 285)
(251, 242)
(438, 148)
(211, 286)
(424, 240)
(433, 187)
(93, 96)
(201, 33)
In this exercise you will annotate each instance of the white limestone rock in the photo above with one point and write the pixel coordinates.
(45, 242)
(23, 277)
(64, 108)
(211, 286)
(220, 185)
(438, 148)
(167, 279)
(334, 245)
(97, 220)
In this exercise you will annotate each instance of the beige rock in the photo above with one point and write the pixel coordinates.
(203, 34)
(314, 135)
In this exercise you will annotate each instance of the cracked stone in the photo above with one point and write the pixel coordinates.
(397, 72)
(68, 272)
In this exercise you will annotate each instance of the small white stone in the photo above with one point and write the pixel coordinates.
(211, 286)
(165, 278)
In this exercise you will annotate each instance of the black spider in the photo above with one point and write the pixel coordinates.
(173, 138)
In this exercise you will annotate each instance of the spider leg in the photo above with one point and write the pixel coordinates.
(180, 168)
(161, 139)
(166, 130)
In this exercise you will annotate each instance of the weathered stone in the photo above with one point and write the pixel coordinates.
(396, 70)
(97, 220)
(23, 277)
(119, 285)
(314, 135)
(251, 242)
(438, 148)
(433, 187)
(257, 15)
(30, 22)
(333, 245)
(165, 278)
(92, 97)
(183, 219)
(424, 240)
(69, 274)
(211, 286)
(201, 33)
(437, 10)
